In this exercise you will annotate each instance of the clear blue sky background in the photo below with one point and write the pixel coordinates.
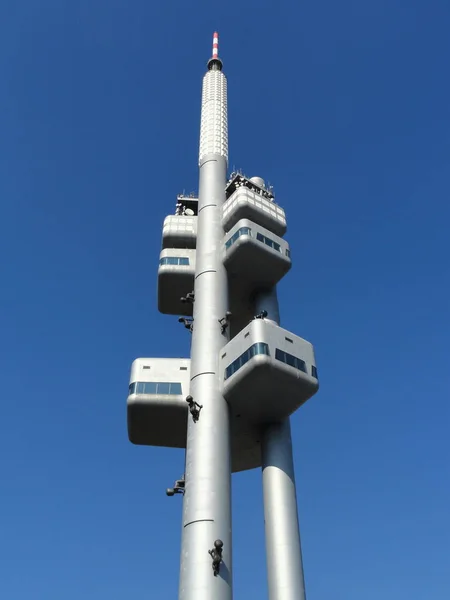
(345, 108)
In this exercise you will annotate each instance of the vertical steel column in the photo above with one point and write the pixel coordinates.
(283, 548)
(207, 498)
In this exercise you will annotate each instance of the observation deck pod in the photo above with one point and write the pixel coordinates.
(246, 200)
(254, 257)
(179, 231)
(175, 279)
(156, 405)
(157, 411)
(267, 372)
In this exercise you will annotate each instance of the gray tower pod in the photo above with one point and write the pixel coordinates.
(267, 372)
(245, 203)
(157, 411)
(179, 232)
(175, 279)
(156, 405)
(254, 256)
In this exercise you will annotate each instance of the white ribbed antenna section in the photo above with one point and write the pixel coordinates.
(214, 120)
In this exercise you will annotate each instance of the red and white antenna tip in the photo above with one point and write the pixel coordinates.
(215, 48)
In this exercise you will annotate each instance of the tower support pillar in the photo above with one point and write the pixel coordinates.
(283, 547)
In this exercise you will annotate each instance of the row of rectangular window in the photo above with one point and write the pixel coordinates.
(290, 360)
(259, 236)
(262, 348)
(155, 388)
(254, 350)
(174, 260)
(268, 242)
(181, 260)
(236, 235)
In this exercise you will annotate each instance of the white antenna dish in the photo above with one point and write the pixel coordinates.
(189, 212)
(259, 181)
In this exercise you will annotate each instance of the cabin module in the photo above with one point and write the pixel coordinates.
(156, 405)
(175, 280)
(180, 229)
(254, 256)
(157, 411)
(267, 372)
(249, 199)
(179, 232)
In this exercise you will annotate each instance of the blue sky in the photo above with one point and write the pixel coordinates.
(345, 108)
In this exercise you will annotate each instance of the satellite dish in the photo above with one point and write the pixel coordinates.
(189, 212)
(258, 181)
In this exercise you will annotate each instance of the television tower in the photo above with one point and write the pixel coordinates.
(223, 254)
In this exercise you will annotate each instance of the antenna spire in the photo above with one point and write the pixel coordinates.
(214, 63)
(215, 47)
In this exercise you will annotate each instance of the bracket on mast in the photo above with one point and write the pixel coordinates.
(178, 488)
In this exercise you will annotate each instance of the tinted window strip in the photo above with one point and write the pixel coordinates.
(291, 360)
(254, 350)
(155, 388)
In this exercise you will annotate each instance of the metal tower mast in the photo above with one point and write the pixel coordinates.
(207, 499)
(229, 404)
